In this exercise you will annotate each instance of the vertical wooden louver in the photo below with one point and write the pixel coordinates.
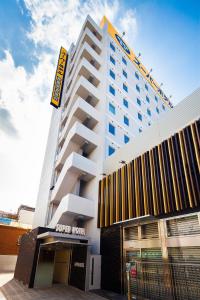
(161, 181)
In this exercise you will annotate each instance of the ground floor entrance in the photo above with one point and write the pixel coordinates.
(61, 262)
(47, 257)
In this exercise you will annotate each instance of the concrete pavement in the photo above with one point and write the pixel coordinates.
(10, 289)
(4, 278)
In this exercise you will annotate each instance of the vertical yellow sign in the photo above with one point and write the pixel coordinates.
(59, 78)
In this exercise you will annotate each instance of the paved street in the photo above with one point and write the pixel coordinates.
(4, 278)
(10, 289)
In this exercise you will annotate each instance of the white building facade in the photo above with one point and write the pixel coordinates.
(106, 102)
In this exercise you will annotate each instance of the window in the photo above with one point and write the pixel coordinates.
(112, 60)
(137, 76)
(112, 108)
(111, 90)
(124, 61)
(125, 87)
(157, 109)
(140, 116)
(126, 121)
(112, 74)
(138, 88)
(156, 99)
(125, 102)
(126, 139)
(139, 102)
(111, 150)
(163, 107)
(111, 129)
(112, 47)
(124, 73)
(146, 87)
(147, 99)
(148, 112)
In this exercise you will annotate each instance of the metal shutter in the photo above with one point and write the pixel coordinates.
(183, 226)
(185, 269)
(150, 231)
(131, 233)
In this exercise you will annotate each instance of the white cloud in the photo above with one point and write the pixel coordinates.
(26, 96)
(6, 124)
(128, 24)
(58, 22)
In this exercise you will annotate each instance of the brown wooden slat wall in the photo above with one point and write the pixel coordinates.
(163, 180)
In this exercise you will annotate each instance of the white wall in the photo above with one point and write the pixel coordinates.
(26, 216)
(131, 112)
(41, 208)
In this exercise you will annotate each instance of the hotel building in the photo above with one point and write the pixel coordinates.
(108, 111)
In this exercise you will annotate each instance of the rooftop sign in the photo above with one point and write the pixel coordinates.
(131, 55)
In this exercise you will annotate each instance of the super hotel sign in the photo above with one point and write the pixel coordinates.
(59, 78)
(131, 55)
(70, 229)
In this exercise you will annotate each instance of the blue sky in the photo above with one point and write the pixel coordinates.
(13, 28)
(168, 38)
(166, 33)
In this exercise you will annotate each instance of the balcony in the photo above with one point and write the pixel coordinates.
(84, 89)
(87, 35)
(81, 111)
(94, 28)
(87, 52)
(85, 69)
(91, 39)
(79, 137)
(73, 205)
(75, 167)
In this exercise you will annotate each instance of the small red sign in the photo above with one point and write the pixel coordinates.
(133, 273)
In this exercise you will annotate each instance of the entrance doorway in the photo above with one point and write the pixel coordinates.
(62, 261)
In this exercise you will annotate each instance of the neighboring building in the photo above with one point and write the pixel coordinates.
(12, 227)
(149, 210)
(109, 100)
(25, 215)
(6, 218)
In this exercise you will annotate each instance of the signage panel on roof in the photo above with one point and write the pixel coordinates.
(59, 78)
(131, 55)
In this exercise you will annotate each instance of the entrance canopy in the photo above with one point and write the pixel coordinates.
(56, 240)
(62, 258)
